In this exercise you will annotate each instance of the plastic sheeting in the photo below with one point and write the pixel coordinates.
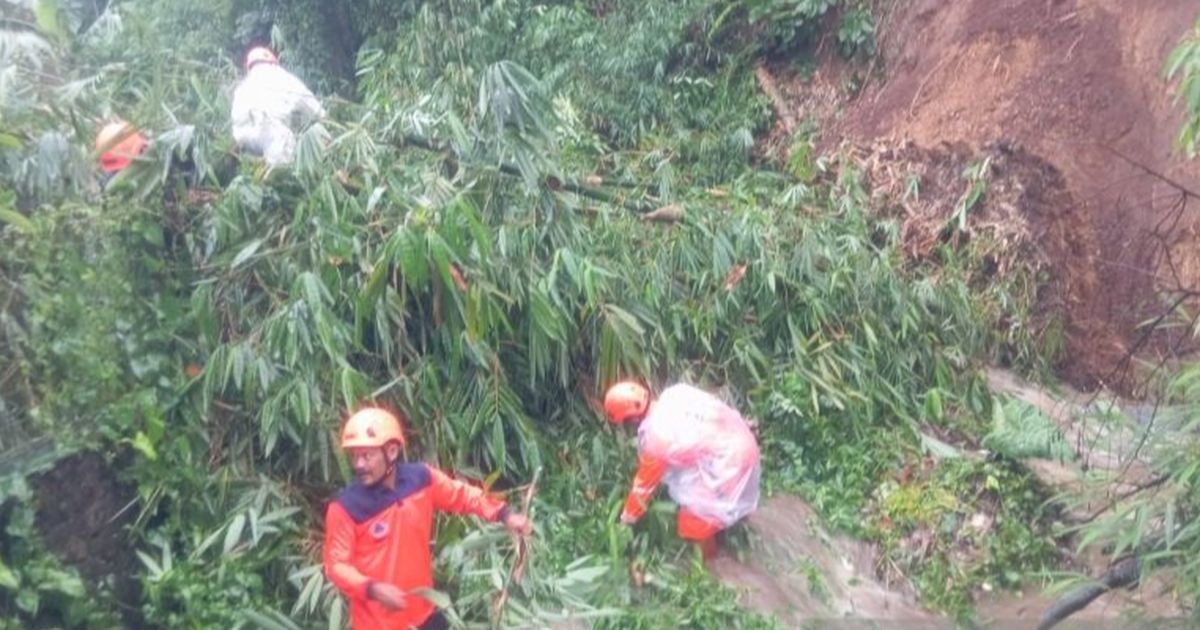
(712, 457)
(265, 106)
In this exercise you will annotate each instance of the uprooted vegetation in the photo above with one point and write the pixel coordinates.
(463, 242)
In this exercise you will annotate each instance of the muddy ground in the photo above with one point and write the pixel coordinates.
(799, 572)
(1079, 85)
(83, 515)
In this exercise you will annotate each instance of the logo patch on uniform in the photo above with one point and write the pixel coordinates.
(379, 529)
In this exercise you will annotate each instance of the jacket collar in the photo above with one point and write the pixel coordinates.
(364, 502)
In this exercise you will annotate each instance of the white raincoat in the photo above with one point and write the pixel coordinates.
(705, 453)
(264, 106)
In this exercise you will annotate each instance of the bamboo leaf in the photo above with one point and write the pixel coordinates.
(270, 620)
(246, 252)
(46, 13)
(437, 598)
(8, 579)
(17, 220)
(233, 533)
(410, 256)
(314, 291)
(155, 569)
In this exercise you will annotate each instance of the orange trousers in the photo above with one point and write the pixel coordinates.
(692, 526)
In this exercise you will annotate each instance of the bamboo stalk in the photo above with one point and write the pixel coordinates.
(571, 185)
(517, 571)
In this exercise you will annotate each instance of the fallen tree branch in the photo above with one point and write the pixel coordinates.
(766, 83)
(1153, 483)
(551, 182)
(1125, 572)
(671, 213)
(517, 571)
(1153, 173)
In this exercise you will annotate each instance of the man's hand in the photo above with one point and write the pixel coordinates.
(627, 518)
(389, 595)
(518, 524)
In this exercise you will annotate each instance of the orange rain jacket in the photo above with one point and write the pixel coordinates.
(706, 454)
(373, 534)
(122, 154)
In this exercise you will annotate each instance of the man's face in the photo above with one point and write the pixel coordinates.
(636, 419)
(371, 464)
(630, 425)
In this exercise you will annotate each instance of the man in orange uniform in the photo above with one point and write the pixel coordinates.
(118, 144)
(700, 447)
(377, 530)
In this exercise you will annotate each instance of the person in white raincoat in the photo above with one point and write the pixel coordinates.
(700, 447)
(265, 105)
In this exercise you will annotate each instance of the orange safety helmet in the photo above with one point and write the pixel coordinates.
(119, 143)
(371, 426)
(626, 400)
(260, 55)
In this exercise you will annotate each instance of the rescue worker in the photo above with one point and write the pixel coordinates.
(702, 448)
(118, 144)
(377, 530)
(264, 107)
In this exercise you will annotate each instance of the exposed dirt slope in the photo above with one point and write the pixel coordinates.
(82, 515)
(800, 573)
(1079, 84)
(1104, 449)
(807, 577)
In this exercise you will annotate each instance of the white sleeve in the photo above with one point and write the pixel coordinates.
(305, 102)
(239, 106)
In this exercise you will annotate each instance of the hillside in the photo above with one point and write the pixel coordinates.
(1079, 85)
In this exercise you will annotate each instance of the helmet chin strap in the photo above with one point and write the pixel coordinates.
(391, 462)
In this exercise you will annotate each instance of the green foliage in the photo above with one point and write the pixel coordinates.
(137, 61)
(1021, 430)
(857, 32)
(961, 526)
(638, 76)
(976, 175)
(1158, 520)
(781, 28)
(35, 588)
(82, 321)
(788, 23)
(1184, 65)
(234, 545)
(423, 253)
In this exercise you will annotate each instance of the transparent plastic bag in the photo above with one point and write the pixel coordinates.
(712, 458)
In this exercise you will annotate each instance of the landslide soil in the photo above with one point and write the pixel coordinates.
(1068, 100)
(1077, 83)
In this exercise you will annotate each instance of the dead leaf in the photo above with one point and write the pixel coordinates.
(198, 196)
(667, 214)
(459, 281)
(734, 277)
(593, 180)
(981, 522)
(636, 574)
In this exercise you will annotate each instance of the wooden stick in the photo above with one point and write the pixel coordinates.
(766, 82)
(517, 571)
